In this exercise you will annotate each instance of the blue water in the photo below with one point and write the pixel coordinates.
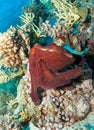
(10, 10)
(90, 126)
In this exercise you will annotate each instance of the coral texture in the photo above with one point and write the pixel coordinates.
(7, 122)
(65, 12)
(7, 74)
(59, 107)
(62, 107)
(12, 45)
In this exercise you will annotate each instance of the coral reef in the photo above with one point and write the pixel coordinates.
(70, 20)
(58, 32)
(84, 3)
(86, 124)
(57, 74)
(23, 103)
(29, 26)
(66, 12)
(59, 108)
(7, 74)
(66, 107)
(39, 10)
(82, 39)
(7, 122)
(4, 98)
(12, 45)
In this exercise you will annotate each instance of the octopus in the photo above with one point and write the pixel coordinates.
(46, 65)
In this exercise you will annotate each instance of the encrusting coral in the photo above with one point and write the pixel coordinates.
(59, 108)
(66, 107)
(85, 124)
(7, 122)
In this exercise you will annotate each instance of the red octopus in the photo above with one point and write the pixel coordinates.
(45, 64)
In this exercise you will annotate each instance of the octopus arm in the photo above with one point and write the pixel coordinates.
(52, 79)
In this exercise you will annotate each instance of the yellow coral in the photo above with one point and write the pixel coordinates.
(66, 11)
(25, 116)
(27, 19)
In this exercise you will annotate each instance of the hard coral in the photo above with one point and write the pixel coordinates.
(7, 74)
(54, 31)
(11, 43)
(45, 65)
(59, 107)
(65, 12)
(7, 122)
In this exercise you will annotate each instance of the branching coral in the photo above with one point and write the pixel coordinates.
(40, 10)
(65, 12)
(28, 20)
(58, 32)
(54, 31)
(83, 7)
(12, 44)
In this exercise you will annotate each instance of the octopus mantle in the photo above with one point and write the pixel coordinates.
(45, 65)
